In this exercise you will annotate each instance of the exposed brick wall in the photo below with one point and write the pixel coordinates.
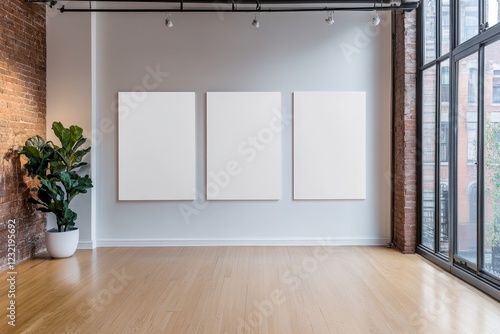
(405, 132)
(22, 115)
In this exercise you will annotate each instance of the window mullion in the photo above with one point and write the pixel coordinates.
(482, 16)
(453, 154)
(437, 164)
(480, 162)
(438, 29)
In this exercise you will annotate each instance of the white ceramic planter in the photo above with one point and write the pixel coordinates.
(62, 244)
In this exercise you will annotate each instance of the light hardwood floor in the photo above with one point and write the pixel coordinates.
(232, 290)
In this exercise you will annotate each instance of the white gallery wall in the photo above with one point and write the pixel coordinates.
(293, 52)
(69, 94)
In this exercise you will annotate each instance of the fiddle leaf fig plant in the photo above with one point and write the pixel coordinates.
(56, 169)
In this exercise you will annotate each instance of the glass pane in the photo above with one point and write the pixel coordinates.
(495, 86)
(428, 156)
(468, 19)
(491, 162)
(445, 26)
(444, 157)
(472, 83)
(467, 161)
(492, 12)
(430, 30)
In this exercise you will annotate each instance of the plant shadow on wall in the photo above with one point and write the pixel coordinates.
(12, 176)
(55, 170)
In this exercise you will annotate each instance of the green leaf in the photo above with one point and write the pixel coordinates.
(36, 142)
(39, 153)
(64, 158)
(76, 133)
(78, 157)
(80, 164)
(79, 143)
(57, 167)
(58, 128)
(31, 153)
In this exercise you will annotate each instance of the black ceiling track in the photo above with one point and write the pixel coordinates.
(199, 6)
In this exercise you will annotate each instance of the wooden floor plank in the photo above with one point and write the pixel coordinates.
(244, 290)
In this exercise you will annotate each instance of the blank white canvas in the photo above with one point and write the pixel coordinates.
(243, 146)
(329, 145)
(156, 146)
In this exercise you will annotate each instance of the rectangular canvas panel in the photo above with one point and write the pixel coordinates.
(156, 146)
(243, 146)
(329, 145)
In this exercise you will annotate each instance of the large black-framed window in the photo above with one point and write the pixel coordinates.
(459, 128)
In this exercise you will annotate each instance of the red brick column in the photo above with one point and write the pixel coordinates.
(22, 115)
(405, 132)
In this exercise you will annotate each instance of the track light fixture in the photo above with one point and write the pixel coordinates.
(256, 22)
(329, 20)
(375, 19)
(168, 21)
(196, 6)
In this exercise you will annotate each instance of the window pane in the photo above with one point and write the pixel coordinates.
(492, 162)
(471, 137)
(444, 156)
(469, 19)
(445, 82)
(428, 156)
(467, 162)
(496, 85)
(492, 12)
(444, 133)
(430, 30)
(445, 26)
(472, 83)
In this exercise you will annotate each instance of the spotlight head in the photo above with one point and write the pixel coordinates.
(329, 20)
(52, 3)
(256, 23)
(169, 23)
(376, 19)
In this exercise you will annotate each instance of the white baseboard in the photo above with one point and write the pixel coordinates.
(239, 242)
(86, 245)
